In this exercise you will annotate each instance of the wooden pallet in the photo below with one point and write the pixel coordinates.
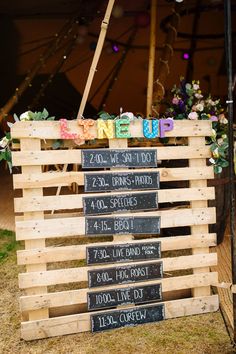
(55, 281)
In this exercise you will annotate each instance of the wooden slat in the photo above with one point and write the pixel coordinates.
(34, 229)
(54, 179)
(196, 229)
(81, 322)
(78, 252)
(75, 201)
(51, 130)
(74, 156)
(27, 144)
(71, 275)
(76, 297)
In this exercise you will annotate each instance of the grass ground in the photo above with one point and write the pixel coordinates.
(203, 334)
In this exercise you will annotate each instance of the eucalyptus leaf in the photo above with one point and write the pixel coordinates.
(223, 163)
(15, 117)
(10, 124)
(9, 163)
(45, 113)
(213, 146)
(217, 169)
(105, 116)
(57, 144)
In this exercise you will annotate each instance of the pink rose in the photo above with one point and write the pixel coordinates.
(175, 100)
(193, 115)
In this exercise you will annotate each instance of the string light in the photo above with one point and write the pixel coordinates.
(185, 56)
(115, 48)
(70, 46)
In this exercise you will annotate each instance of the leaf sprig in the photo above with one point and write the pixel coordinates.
(6, 141)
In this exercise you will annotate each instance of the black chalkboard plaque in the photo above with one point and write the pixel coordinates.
(115, 181)
(124, 296)
(125, 274)
(102, 158)
(107, 204)
(123, 225)
(123, 253)
(128, 317)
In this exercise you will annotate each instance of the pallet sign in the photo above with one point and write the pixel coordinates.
(99, 261)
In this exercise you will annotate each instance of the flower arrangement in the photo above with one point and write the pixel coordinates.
(188, 102)
(6, 141)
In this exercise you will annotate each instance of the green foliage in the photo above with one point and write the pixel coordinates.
(29, 115)
(6, 141)
(188, 102)
(105, 116)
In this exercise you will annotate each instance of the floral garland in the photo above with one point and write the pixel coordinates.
(188, 102)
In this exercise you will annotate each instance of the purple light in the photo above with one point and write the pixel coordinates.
(185, 56)
(115, 48)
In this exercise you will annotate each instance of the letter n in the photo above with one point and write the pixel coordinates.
(105, 129)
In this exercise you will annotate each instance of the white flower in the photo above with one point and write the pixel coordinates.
(211, 102)
(25, 116)
(198, 96)
(199, 107)
(211, 160)
(195, 86)
(188, 86)
(222, 119)
(130, 115)
(4, 142)
(220, 141)
(193, 115)
(224, 136)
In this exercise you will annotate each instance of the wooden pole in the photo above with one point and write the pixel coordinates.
(93, 67)
(152, 51)
(96, 57)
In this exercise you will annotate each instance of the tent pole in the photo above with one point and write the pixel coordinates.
(151, 63)
(228, 51)
(96, 57)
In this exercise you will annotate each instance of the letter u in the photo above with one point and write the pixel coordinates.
(146, 128)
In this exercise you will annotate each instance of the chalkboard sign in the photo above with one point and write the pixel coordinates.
(102, 158)
(123, 253)
(106, 204)
(124, 225)
(105, 182)
(124, 296)
(128, 317)
(125, 274)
